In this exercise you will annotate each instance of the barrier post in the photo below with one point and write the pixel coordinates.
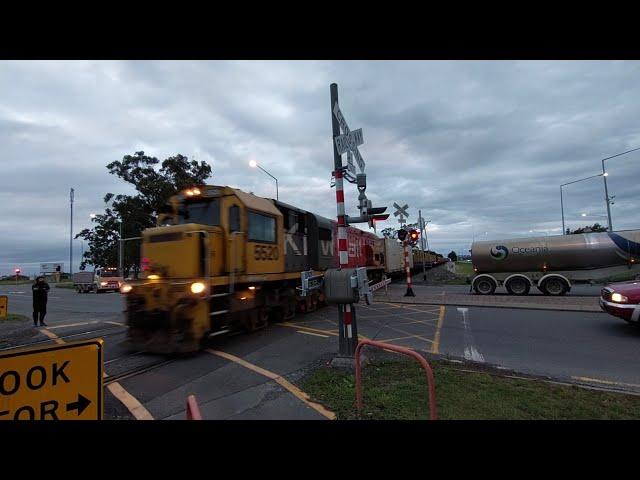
(193, 411)
(433, 414)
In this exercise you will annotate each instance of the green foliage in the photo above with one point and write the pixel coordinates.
(154, 187)
(596, 227)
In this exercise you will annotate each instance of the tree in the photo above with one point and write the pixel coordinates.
(389, 232)
(596, 227)
(452, 256)
(154, 188)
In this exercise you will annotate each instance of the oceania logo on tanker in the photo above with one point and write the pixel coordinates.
(500, 252)
(529, 250)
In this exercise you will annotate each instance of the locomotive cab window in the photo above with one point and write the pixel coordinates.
(234, 218)
(204, 212)
(262, 228)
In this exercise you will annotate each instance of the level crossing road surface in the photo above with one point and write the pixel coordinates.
(254, 376)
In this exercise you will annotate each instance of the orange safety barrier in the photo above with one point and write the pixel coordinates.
(193, 411)
(405, 351)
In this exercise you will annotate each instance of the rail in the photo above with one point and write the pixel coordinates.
(405, 351)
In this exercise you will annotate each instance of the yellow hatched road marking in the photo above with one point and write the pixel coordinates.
(317, 330)
(394, 339)
(278, 379)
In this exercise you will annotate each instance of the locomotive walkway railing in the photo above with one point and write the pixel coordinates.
(431, 385)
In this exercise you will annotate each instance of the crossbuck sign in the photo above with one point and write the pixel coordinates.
(402, 211)
(348, 142)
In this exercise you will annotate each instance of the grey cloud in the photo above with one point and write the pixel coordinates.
(479, 146)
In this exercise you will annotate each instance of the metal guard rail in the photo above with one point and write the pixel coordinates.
(405, 351)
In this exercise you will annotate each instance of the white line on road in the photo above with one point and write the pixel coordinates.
(470, 351)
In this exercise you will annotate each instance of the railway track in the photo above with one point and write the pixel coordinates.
(99, 331)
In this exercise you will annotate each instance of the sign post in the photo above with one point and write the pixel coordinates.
(347, 326)
(402, 212)
(60, 382)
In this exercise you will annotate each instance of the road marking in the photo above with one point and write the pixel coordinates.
(314, 334)
(470, 351)
(435, 346)
(73, 324)
(128, 400)
(278, 379)
(394, 339)
(116, 323)
(53, 336)
(418, 337)
(605, 382)
(316, 330)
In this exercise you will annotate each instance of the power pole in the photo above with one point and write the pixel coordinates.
(422, 228)
(71, 236)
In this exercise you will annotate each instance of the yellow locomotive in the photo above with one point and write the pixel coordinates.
(222, 259)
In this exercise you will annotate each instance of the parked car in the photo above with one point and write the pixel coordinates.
(622, 300)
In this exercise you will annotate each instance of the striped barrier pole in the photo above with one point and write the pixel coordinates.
(408, 270)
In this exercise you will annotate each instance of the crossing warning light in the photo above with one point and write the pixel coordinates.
(17, 271)
(402, 234)
(413, 236)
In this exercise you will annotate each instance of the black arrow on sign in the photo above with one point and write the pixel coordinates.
(80, 405)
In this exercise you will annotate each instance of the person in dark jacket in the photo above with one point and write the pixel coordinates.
(40, 289)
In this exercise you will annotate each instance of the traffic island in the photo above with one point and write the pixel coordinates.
(396, 390)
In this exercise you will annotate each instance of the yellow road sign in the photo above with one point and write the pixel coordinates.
(60, 382)
(4, 306)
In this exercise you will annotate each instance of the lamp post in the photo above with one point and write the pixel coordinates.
(603, 174)
(254, 164)
(607, 198)
(71, 234)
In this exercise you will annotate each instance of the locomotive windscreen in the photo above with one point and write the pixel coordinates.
(204, 212)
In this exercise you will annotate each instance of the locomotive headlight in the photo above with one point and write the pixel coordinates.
(103, 284)
(616, 297)
(125, 288)
(197, 287)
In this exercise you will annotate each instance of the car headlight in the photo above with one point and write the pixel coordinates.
(103, 284)
(125, 288)
(197, 287)
(616, 297)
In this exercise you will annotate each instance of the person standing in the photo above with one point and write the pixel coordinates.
(40, 290)
(57, 273)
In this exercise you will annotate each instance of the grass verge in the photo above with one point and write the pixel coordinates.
(14, 317)
(64, 285)
(464, 268)
(396, 390)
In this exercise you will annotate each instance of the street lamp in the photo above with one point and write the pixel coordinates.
(603, 174)
(254, 164)
(607, 198)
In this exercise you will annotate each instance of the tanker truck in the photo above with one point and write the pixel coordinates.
(552, 263)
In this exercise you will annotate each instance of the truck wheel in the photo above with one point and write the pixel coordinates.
(518, 286)
(554, 286)
(484, 286)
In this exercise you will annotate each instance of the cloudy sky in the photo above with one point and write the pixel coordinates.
(480, 146)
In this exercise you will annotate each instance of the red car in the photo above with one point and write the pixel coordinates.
(622, 300)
